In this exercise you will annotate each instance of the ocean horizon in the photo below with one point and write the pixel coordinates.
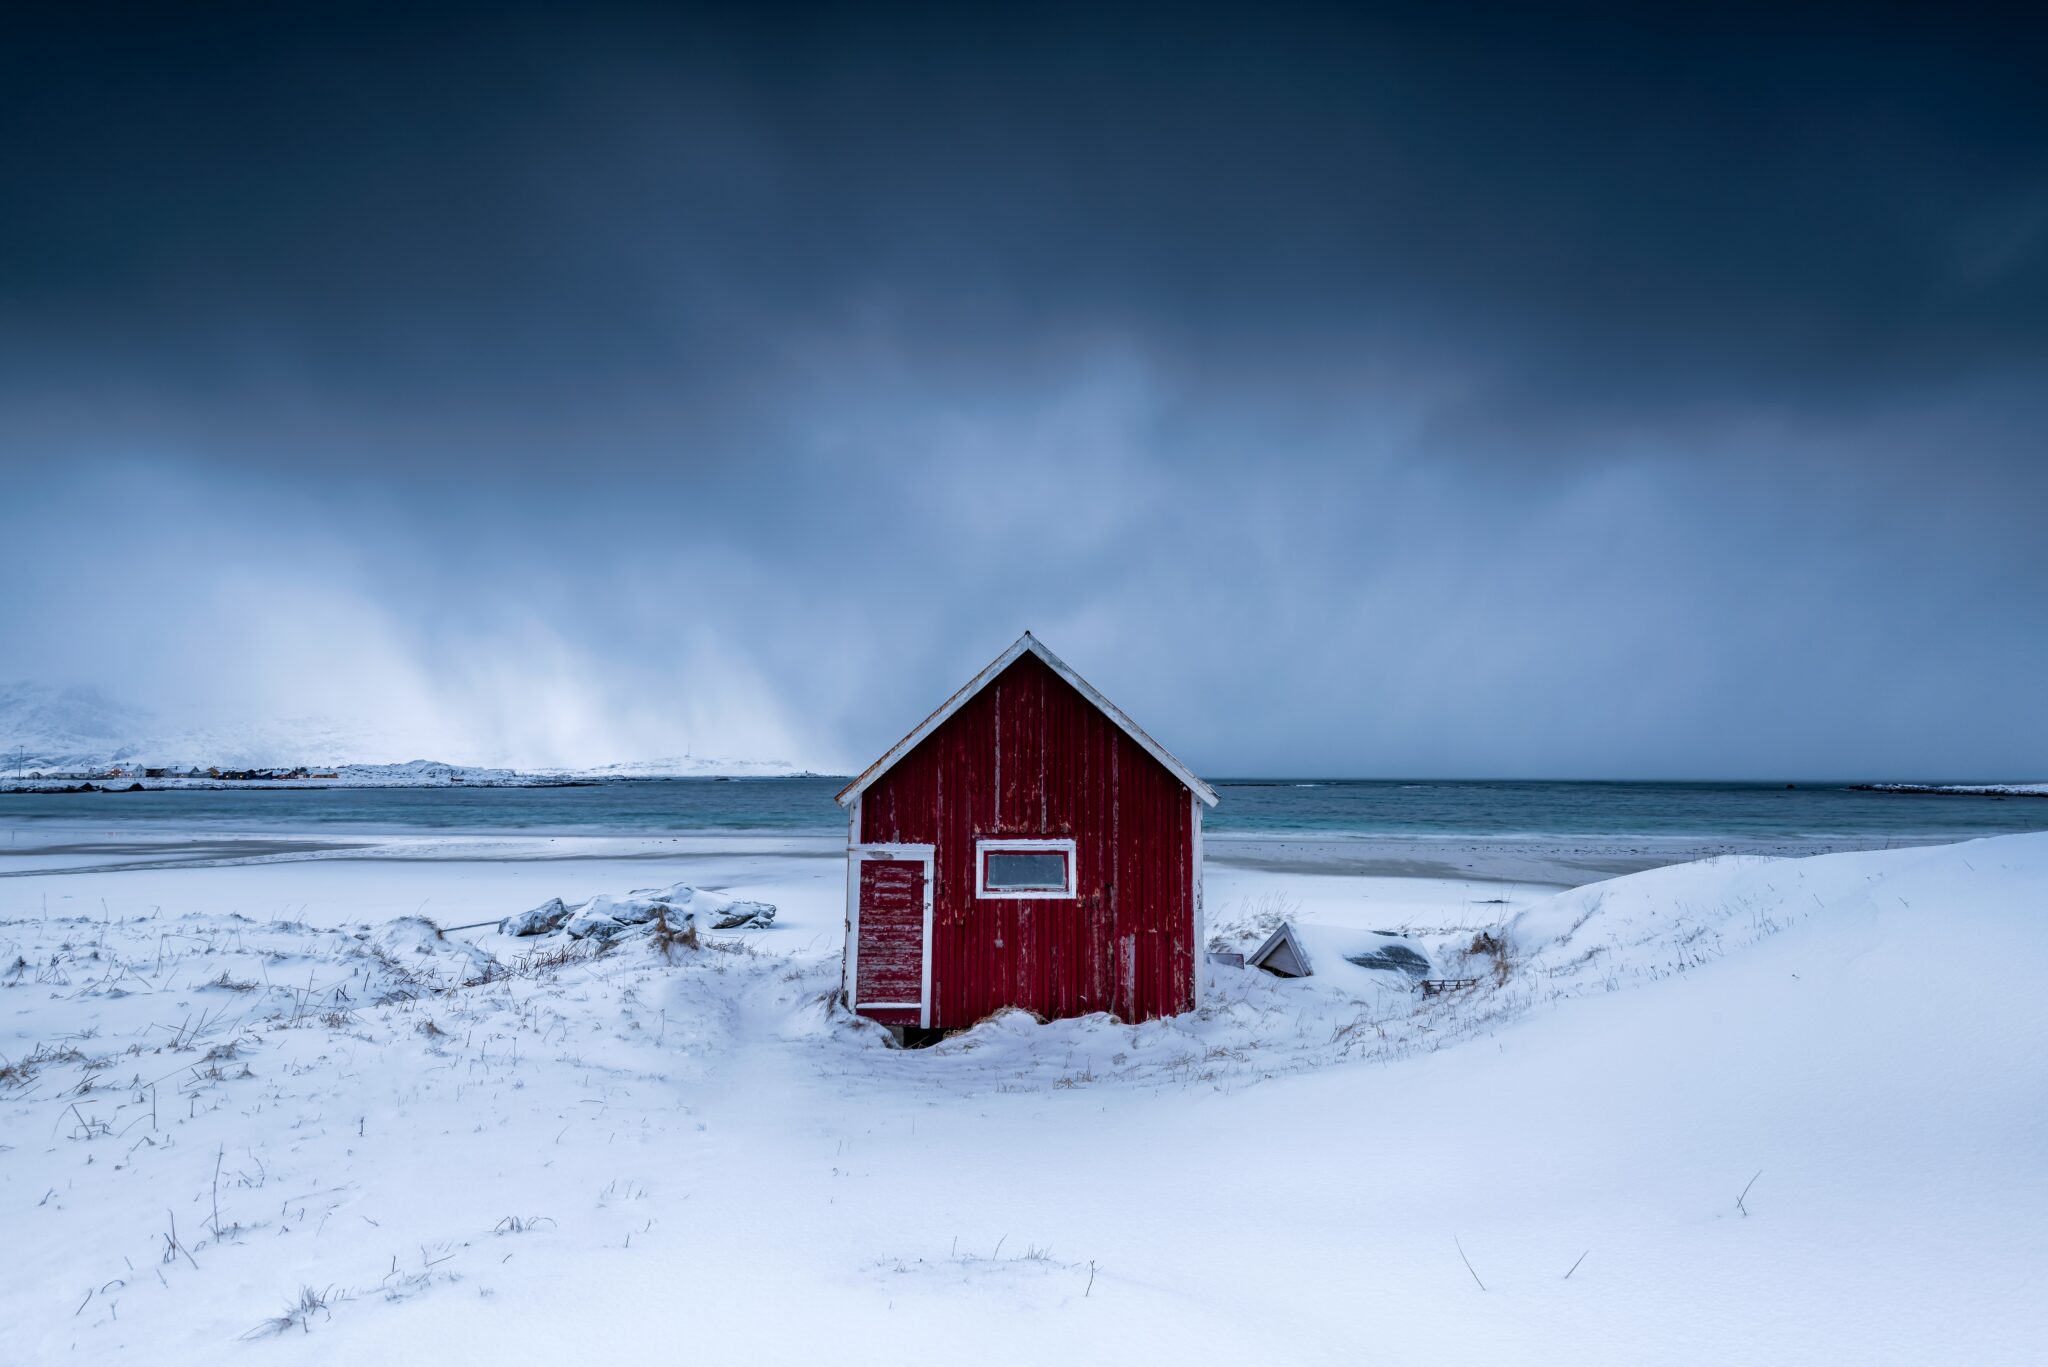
(1251, 806)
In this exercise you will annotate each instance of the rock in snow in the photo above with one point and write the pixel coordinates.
(546, 917)
(604, 917)
(718, 912)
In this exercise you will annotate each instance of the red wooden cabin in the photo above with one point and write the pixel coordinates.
(1027, 845)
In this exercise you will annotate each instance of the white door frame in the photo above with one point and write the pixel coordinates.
(923, 854)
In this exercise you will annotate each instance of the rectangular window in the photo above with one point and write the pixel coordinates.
(1024, 868)
(1019, 871)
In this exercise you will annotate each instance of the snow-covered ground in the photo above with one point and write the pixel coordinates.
(253, 1110)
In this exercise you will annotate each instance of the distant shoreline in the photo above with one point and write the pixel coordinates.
(79, 783)
(1995, 790)
(358, 777)
(1554, 833)
(1558, 862)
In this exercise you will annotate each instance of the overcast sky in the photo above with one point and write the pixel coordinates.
(1485, 394)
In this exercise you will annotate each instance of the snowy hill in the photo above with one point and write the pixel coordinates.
(1747, 1110)
(75, 733)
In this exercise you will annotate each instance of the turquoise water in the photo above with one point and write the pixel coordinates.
(805, 806)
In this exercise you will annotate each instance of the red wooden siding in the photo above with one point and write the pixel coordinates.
(1028, 757)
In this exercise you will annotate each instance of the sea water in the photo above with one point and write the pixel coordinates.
(1327, 807)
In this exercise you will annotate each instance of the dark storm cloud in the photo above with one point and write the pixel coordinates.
(1491, 391)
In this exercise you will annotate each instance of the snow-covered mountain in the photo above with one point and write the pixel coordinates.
(44, 727)
(73, 729)
(57, 730)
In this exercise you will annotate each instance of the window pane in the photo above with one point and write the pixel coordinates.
(1009, 871)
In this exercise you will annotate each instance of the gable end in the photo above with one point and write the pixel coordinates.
(1027, 644)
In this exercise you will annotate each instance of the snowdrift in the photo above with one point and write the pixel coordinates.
(213, 1127)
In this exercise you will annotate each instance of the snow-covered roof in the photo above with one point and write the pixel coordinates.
(1027, 643)
(1281, 954)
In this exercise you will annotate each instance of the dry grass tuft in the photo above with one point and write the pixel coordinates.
(544, 963)
(298, 1314)
(665, 939)
(18, 1072)
(515, 1224)
(1492, 947)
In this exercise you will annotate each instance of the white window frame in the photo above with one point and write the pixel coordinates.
(984, 848)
